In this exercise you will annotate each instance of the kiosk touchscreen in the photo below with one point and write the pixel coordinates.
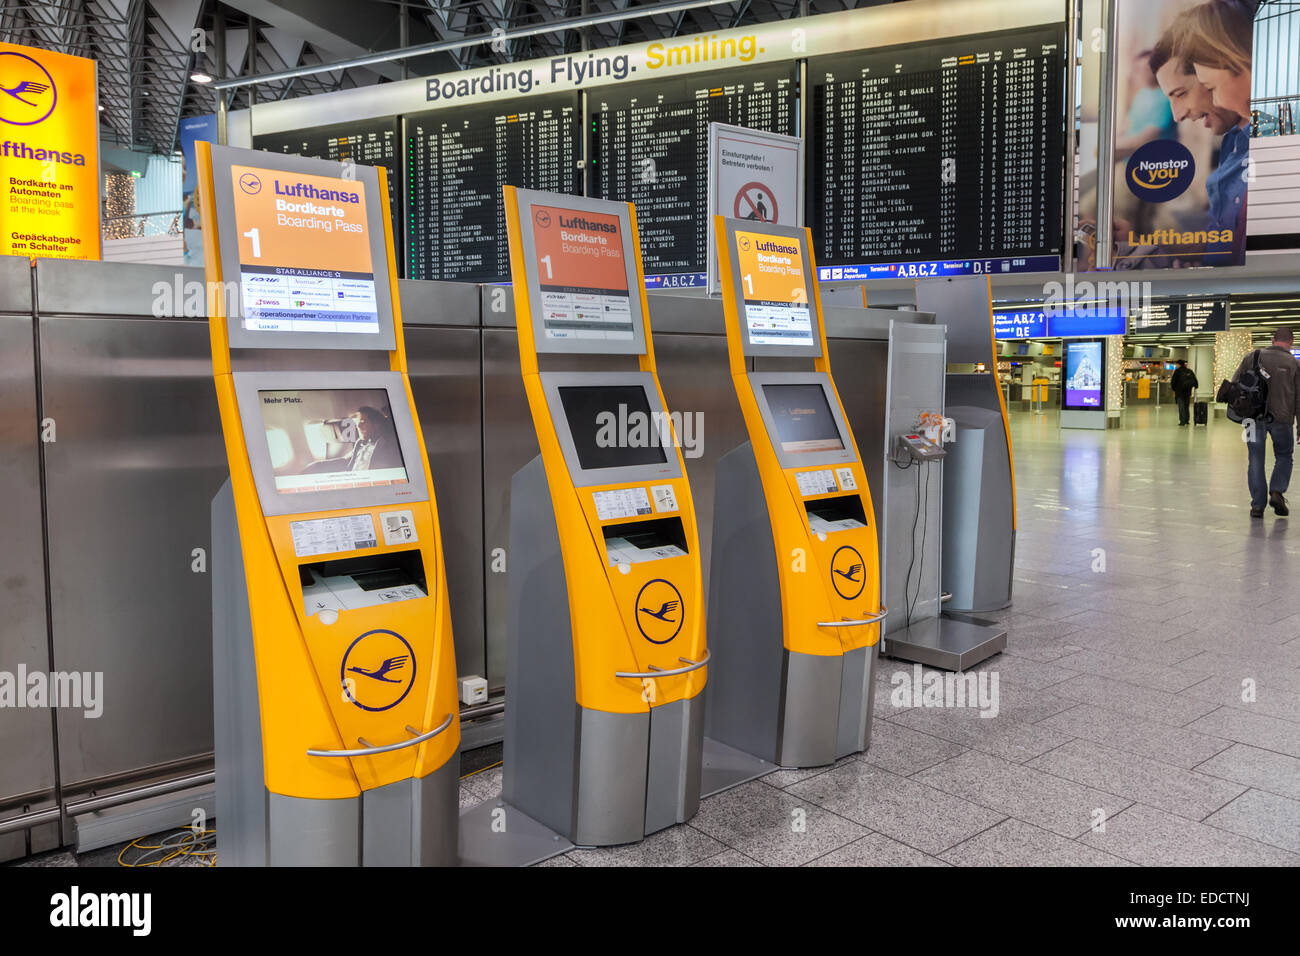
(337, 733)
(606, 651)
(794, 601)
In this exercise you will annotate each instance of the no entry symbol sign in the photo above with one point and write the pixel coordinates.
(755, 201)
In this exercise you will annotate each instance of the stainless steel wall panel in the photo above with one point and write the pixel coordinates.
(509, 443)
(859, 367)
(129, 482)
(696, 380)
(76, 287)
(445, 375)
(439, 303)
(27, 777)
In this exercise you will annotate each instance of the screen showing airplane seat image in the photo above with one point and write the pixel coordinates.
(331, 439)
(802, 418)
(1083, 375)
(613, 426)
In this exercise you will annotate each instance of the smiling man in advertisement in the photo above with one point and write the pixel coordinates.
(1180, 199)
(49, 155)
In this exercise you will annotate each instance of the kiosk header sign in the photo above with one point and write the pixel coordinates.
(772, 281)
(49, 154)
(303, 238)
(582, 278)
(304, 258)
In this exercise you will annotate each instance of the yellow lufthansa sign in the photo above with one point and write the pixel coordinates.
(49, 155)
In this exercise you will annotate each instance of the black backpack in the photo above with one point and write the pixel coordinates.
(1247, 398)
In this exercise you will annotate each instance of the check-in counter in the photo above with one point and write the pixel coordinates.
(27, 777)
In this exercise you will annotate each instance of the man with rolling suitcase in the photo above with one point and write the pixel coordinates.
(1184, 384)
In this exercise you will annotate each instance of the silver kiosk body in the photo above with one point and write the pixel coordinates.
(411, 821)
(785, 707)
(976, 533)
(593, 777)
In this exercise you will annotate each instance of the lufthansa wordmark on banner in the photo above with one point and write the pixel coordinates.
(27, 91)
(848, 572)
(659, 611)
(378, 670)
(1160, 170)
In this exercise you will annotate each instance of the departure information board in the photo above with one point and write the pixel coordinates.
(367, 143)
(1191, 315)
(458, 160)
(939, 159)
(650, 146)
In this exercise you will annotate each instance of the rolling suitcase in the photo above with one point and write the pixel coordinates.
(1200, 413)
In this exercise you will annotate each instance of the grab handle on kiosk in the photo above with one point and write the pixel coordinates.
(369, 750)
(693, 666)
(875, 618)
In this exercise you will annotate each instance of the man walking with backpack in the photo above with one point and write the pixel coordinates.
(1183, 383)
(1274, 371)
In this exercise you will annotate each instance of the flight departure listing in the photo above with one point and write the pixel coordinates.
(650, 146)
(457, 162)
(368, 143)
(938, 160)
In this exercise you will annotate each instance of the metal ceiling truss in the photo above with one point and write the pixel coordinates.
(147, 49)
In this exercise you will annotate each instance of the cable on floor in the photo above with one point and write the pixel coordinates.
(175, 846)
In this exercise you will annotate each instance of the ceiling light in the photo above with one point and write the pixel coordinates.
(200, 78)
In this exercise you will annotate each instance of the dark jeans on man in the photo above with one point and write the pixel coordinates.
(1283, 446)
(1183, 401)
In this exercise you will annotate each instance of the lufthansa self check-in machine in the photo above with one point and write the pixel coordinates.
(337, 730)
(606, 647)
(794, 598)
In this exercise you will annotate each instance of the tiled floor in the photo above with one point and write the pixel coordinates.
(1124, 690)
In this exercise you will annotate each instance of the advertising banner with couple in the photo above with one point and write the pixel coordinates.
(1181, 162)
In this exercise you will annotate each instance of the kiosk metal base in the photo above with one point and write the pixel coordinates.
(408, 822)
(784, 708)
(726, 767)
(596, 778)
(953, 643)
(493, 833)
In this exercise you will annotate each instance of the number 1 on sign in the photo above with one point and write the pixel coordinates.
(255, 237)
(749, 282)
(546, 261)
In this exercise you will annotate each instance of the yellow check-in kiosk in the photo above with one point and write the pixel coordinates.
(794, 592)
(606, 648)
(336, 718)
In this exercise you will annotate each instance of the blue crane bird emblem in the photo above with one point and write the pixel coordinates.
(848, 574)
(378, 670)
(659, 611)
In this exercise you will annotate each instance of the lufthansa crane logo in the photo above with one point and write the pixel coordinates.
(378, 670)
(659, 611)
(250, 184)
(27, 90)
(543, 218)
(848, 572)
